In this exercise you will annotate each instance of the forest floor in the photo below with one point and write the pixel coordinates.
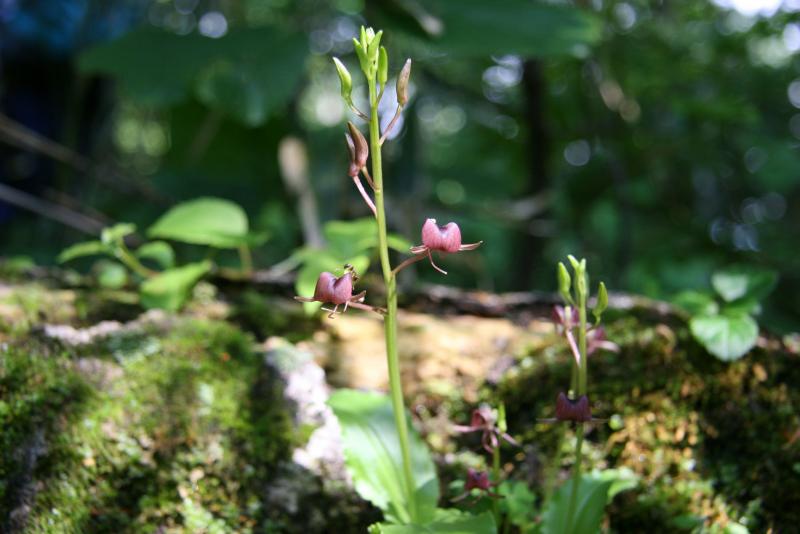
(214, 419)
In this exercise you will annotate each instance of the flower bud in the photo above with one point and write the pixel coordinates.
(383, 67)
(373, 48)
(445, 238)
(345, 79)
(402, 83)
(602, 302)
(564, 283)
(361, 52)
(360, 146)
(353, 170)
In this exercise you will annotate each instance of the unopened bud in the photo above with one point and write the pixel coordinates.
(353, 170)
(564, 283)
(602, 302)
(345, 79)
(402, 83)
(383, 67)
(373, 50)
(360, 146)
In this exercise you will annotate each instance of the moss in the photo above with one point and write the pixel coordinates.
(710, 440)
(177, 432)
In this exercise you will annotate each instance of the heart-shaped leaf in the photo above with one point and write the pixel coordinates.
(728, 336)
(215, 222)
(170, 289)
(742, 282)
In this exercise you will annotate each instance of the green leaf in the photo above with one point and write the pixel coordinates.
(170, 289)
(742, 282)
(589, 509)
(728, 336)
(111, 275)
(518, 502)
(372, 454)
(159, 251)
(257, 74)
(79, 250)
(445, 521)
(204, 221)
(114, 233)
(696, 303)
(479, 28)
(351, 238)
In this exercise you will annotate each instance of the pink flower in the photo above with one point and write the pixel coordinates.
(484, 420)
(338, 291)
(445, 239)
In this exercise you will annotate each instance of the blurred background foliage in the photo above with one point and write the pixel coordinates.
(658, 139)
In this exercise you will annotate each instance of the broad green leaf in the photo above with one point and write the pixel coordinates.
(622, 479)
(742, 282)
(159, 251)
(445, 521)
(350, 238)
(258, 74)
(208, 221)
(728, 336)
(170, 289)
(79, 250)
(589, 508)
(372, 454)
(479, 28)
(696, 303)
(112, 234)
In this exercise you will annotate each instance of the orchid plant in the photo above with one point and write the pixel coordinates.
(583, 339)
(414, 502)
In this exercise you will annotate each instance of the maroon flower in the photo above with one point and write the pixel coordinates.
(445, 239)
(338, 291)
(574, 410)
(484, 420)
(478, 480)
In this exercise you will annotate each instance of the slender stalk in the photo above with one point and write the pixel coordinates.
(390, 320)
(126, 257)
(246, 259)
(496, 476)
(582, 373)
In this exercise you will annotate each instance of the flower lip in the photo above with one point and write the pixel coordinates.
(445, 238)
(335, 290)
(573, 410)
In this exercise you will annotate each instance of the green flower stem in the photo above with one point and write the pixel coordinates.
(496, 476)
(390, 320)
(582, 374)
